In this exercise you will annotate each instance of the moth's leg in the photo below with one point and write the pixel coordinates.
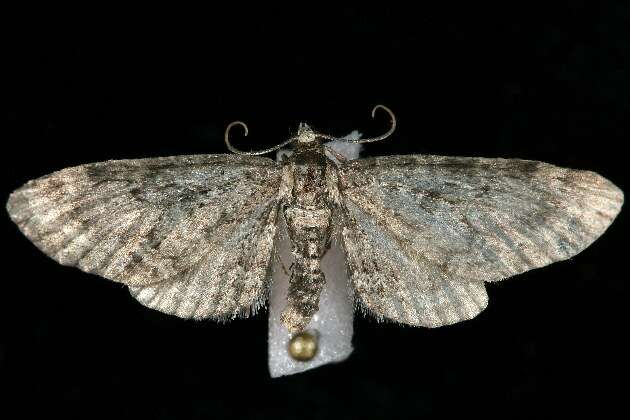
(336, 225)
(327, 246)
(332, 186)
(329, 233)
(335, 204)
(282, 236)
(341, 158)
(277, 257)
(286, 185)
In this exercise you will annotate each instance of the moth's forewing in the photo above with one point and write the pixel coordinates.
(191, 235)
(422, 233)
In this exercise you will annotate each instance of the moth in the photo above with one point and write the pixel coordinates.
(193, 236)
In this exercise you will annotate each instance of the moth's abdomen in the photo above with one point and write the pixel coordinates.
(309, 231)
(305, 286)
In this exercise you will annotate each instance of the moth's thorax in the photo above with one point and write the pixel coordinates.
(309, 188)
(309, 154)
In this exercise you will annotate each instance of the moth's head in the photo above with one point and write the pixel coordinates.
(305, 134)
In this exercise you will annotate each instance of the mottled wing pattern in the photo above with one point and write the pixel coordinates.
(422, 233)
(191, 235)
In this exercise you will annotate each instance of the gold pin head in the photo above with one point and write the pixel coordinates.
(303, 346)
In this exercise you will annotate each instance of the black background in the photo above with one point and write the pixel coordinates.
(546, 83)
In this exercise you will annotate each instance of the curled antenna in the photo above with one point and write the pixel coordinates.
(300, 135)
(246, 132)
(369, 139)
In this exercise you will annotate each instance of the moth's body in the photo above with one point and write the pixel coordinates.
(307, 208)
